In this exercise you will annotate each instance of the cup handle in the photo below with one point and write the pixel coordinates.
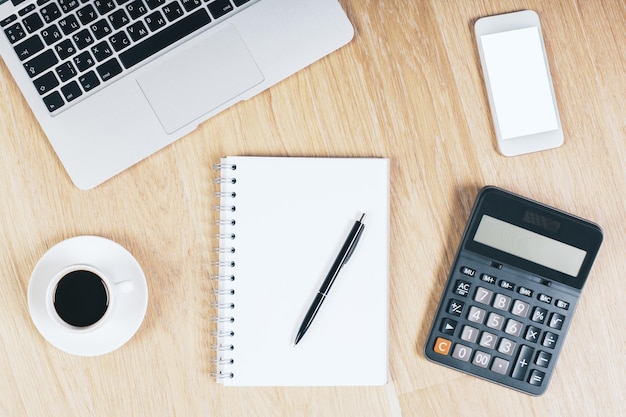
(125, 286)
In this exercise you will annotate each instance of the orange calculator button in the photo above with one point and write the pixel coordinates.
(442, 346)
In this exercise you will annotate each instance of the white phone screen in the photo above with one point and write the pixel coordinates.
(519, 81)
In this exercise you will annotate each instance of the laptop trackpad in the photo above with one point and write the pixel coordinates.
(196, 80)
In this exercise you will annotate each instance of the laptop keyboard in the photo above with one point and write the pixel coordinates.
(73, 48)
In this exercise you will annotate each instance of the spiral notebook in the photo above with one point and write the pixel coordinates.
(282, 222)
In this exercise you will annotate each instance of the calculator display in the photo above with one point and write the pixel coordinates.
(529, 245)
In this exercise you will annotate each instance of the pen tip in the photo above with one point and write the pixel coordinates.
(362, 218)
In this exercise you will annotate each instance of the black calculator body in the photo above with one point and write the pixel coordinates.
(512, 291)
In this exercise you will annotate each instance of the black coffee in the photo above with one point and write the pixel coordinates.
(81, 298)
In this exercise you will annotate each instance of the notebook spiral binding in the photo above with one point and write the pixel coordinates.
(223, 281)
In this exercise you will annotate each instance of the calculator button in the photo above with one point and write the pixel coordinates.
(506, 346)
(495, 321)
(543, 359)
(549, 340)
(488, 279)
(536, 377)
(556, 321)
(539, 315)
(481, 359)
(483, 295)
(513, 327)
(468, 271)
(462, 352)
(455, 307)
(462, 288)
(562, 304)
(544, 298)
(525, 291)
(448, 326)
(500, 366)
(488, 340)
(476, 315)
(532, 334)
(442, 346)
(506, 285)
(522, 362)
(502, 302)
(520, 308)
(469, 334)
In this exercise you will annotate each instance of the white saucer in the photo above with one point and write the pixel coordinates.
(116, 263)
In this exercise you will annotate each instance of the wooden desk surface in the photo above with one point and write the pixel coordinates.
(408, 87)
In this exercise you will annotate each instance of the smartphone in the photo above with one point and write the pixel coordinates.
(519, 86)
(512, 290)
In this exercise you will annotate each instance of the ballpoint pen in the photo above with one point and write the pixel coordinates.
(344, 255)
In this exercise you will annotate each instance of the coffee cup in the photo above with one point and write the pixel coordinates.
(81, 298)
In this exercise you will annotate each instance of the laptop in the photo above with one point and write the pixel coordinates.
(113, 81)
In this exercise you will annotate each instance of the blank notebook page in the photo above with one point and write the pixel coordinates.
(292, 215)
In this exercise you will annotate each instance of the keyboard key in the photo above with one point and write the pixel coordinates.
(118, 19)
(32, 22)
(68, 5)
(53, 101)
(219, 8)
(50, 12)
(69, 24)
(101, 51)
(8, 20)
(65, 49)
(84, 61)
(137, 31)
(173, 11)
(65, 71)
(101, 29)
(51, 34)
(87, 14)
(15, 33)
(41, 63)
(109, 69)
(29, 47)
(177, 31)
(155, 21)
(89, 81)
(240, 2)
(522, 362)
(46, 82)
(119, 41)
(82, 39)
(539, 315)
(153, 4)
(462, 288)
(71, 91)
(136, 9)
(190, 5)
(104, 6)
(495, 321)
(455, 307)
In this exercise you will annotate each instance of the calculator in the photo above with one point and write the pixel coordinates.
(512, 291)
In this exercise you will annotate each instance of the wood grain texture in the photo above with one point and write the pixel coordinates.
(408, 87)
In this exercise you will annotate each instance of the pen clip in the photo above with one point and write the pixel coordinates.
(355, 241)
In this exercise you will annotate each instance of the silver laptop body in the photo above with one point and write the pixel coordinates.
(105, 103)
